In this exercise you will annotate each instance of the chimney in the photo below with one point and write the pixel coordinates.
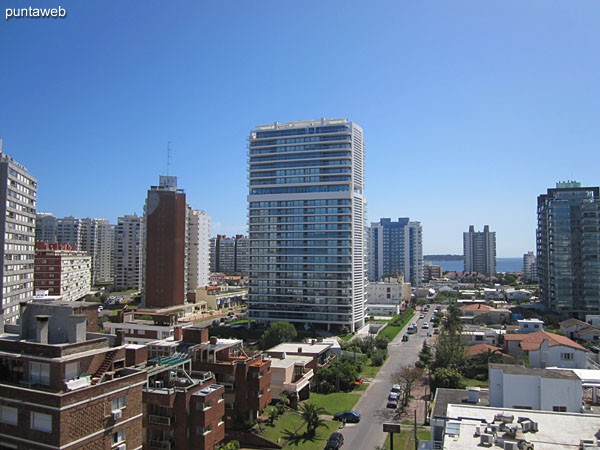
(41, 331)
(213, 340)
(299, 349)
(312, 341)
(120, 339)
(178, 333)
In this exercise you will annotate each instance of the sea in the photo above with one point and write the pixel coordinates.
(502, 265)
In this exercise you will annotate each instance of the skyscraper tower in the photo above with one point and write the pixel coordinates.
(396, 246)
(306, 223)
(568, 249)
(165, 245)
(18, 193)
(480, 250)
(128, 252)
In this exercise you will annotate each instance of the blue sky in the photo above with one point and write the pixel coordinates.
(470, 108)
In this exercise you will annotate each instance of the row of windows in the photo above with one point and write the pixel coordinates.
(300, 251)
(307, 163)
(289, 173)
(309, 235)
(320, 243)
(300, 219)
(312, 155)
(297, 211)
(296, 180)
(299, 227)
(21, 178)
(298, 148)
(298, 140)
(302, 131)
(37, 421)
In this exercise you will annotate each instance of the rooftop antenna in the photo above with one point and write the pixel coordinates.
(168, 156)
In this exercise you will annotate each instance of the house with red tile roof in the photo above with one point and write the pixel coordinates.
(477, 349)
(576, 329)
(546, 350)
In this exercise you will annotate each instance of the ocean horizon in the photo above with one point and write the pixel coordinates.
(502, 265)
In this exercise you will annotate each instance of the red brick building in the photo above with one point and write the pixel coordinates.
(183, 409)
(62, 270)
(246, 375)
(165, 218)
(59, 389)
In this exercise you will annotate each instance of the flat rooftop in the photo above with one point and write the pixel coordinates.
(289, 361)
(513, 369)
(556, 430)
(292, 347)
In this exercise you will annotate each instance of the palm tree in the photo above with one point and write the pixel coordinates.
(310, 414)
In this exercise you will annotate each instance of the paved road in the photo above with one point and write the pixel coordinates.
(368, 434)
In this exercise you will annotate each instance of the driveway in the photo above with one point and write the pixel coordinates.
(368, 434)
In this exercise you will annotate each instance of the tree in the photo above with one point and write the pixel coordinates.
(277, 333)
(449, 350)
(406, 378)
(446, 377)
(310, 414)
(231, 445)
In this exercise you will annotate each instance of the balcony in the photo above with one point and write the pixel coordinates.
(161, 445)
(160, 420)
(299, 384)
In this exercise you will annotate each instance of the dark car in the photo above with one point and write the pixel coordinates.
(394, 396)
(405, 338)
(335, 441)
(350, 416)
(392, 404)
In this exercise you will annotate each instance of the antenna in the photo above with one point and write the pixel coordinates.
(168, 156)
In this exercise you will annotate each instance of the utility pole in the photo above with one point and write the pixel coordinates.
(415, 428)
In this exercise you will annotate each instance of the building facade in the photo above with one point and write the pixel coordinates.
(45, 227)
(480, 250)
(568, 249)
(128, 252)
(229, 254)
(68, 231)
(164, 245)
(96, 240)
(431, 271)
(530, 266)
(396, 246)
(198, 252)
(306, 223)
(18, 193)
(62, 270)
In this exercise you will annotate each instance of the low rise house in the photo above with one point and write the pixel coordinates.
(546, 350)
(478, 349)
(220, 297)
(472, 335)
(530, 325)
(291, 374)
(143, 331)
(577, 329)
(320, 352)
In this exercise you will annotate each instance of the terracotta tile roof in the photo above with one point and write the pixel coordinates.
(533, 341)
(589, 330)
(572, 322)
(477, 349)
(476, 307)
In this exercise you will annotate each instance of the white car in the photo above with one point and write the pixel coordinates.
(425, 326)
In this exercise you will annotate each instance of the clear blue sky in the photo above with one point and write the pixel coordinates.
(470, 108)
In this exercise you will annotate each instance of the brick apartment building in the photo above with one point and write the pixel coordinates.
(246, 375)
(64, 387)
(183, 409)
(62, 270)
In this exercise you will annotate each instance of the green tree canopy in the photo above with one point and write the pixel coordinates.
(277, 333)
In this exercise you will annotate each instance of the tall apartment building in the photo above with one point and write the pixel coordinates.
(396, 246)
(568, 249)
(306, 223)
(229, 254)
(198, 251)
(62, 390)
(96, 240)
(128, 253)
(18, 192)
(530, 266)
(164, 245)
(45, 228)
(68, 231)
(62, 270)
(480, 250)
(431, 270)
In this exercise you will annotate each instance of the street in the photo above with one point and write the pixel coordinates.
(368, 433)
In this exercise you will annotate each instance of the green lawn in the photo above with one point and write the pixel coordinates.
(361, 387)
(370, 371)
(405, 439)
(391, 331)
(317, 442)
(346, 337)
(336, 402)
(470, 382)
(286, 423)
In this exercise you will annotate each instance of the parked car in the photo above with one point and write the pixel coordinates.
(394, 396)
(405, 338)
(392, 404)
(425, 326)
(231, 313)
(412, 329)
(350, 416)
(335, 441)
(216, 323)
(421, 316)
(436, 331)
(396, 388)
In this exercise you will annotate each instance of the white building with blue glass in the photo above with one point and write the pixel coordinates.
(306, 220)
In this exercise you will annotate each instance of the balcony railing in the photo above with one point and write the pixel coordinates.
(159, 420)
(300, 383)
(160, 445)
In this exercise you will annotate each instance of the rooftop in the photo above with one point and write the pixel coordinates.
(444, 397)
(533, 341)
(555, 430)
(513, 369)
(477, 349)
(289, 361)
(301, 347)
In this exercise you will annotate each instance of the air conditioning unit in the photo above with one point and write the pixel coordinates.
(510, 445)
(116, 415)
(486, 439)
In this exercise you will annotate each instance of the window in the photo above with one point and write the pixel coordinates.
(39, 373)
(566, 356)
(202, 406)
(118, 403)
(118, 437)
(525, 326)
(9, 415)
(559, 408)
(41, 422)
(203, 430)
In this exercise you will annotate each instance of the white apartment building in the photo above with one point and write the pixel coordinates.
(198, 251)
(68, 231)
(530, 266)
(387, 297)
(18, 193)
(480, 250)
(307, 223)
(96, 240)
(128, 253)
(45, 227)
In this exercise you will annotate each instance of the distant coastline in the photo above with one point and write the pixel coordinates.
(457, 265)
(443, 257)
